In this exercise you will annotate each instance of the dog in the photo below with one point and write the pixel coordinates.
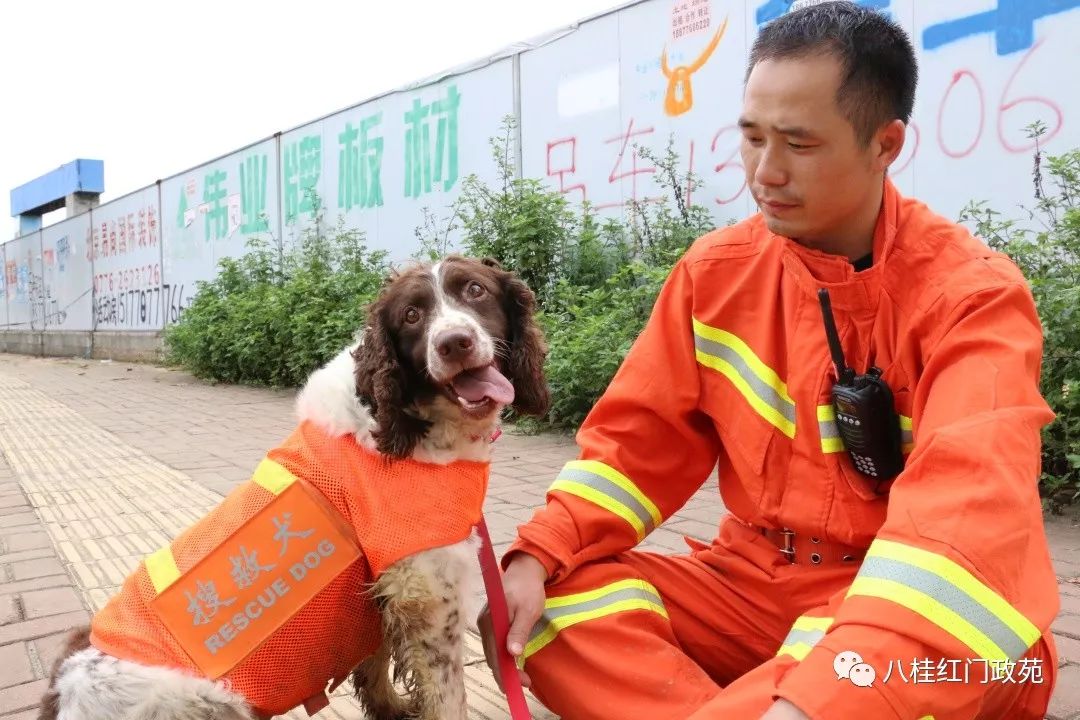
(446, 347)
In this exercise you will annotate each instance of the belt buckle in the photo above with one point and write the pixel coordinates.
(788, 550)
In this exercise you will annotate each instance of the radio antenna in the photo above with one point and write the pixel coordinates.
(844, 374)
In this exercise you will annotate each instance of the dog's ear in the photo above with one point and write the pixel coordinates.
(491, 262)
(528, 349)
(381, 382)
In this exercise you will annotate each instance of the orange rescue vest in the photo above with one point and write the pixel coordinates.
(268, 591)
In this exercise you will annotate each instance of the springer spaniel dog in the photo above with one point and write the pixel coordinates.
(447, 346)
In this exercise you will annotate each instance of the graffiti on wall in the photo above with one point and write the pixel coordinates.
(360, 164)
(46, 310)
(124, 243)
(137, 300)
(1012, 22)
(427, 135)
(714, 153)
(430, 158)
(974, 105)
(31, 303)
(366, 167)
(15, 289)
(222, 213)
(118, 236)
(679, 97)
(66, 263)
(208, 214)
(427, 161)
(301, 162)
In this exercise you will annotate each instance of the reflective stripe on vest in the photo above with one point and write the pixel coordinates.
(948, 596)
(756, 381)
(907, 438)
(805, 633)
(272, 476)
(562, 612)
(605, 486)
(831, 441)
(161, 565)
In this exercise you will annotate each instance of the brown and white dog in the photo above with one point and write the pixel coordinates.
(447, 346)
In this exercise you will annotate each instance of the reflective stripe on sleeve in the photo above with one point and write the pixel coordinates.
(805, 633)
(947, 595)
(605, 486)
(729, 355)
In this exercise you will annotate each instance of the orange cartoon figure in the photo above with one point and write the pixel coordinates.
(680, 94)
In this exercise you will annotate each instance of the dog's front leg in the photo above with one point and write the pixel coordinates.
(423, 619)
(435, 650)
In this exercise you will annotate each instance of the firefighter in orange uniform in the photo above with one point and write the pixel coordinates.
(824, 595)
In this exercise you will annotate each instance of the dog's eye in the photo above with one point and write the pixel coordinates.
(475, 290)
(412, 315)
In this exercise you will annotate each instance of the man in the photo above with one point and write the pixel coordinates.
(825, 594)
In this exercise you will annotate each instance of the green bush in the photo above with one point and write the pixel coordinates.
(529, 228)
(1047, 249)
(591, 326)
(591, 334)
(271, 318)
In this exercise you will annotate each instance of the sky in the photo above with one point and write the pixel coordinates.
(154, 88)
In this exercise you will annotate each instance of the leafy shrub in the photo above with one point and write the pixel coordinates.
(528, 227)
(271, 318)
(591, 327)
(591, 334)
(1047, 250)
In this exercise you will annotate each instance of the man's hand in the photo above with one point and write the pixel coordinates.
(783, 710)
(523, 584)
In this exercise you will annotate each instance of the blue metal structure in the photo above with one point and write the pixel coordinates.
(50, 191)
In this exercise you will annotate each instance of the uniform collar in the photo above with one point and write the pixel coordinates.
(848, 290)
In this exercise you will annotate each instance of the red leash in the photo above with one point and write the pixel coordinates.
(500, 620)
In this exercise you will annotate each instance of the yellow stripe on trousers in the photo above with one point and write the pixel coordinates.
(565, 611)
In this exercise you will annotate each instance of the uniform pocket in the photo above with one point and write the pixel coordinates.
(744, 434)
(837, 458)
(747, 399)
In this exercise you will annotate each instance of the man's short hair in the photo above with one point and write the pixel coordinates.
(879, 72)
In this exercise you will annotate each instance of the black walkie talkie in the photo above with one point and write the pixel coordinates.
(865, 416)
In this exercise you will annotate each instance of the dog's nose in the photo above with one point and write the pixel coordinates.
(454, 345)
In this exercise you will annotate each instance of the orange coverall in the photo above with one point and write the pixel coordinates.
(943, 586)
(394, 510)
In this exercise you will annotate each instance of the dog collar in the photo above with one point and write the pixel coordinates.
(494, 436)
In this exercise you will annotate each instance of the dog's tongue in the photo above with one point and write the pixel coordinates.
(486, 382)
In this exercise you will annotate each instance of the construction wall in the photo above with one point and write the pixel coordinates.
(106, 282)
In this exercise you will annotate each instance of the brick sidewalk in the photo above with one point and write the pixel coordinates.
(106, 461)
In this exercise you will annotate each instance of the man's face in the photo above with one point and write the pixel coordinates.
(804, 164)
